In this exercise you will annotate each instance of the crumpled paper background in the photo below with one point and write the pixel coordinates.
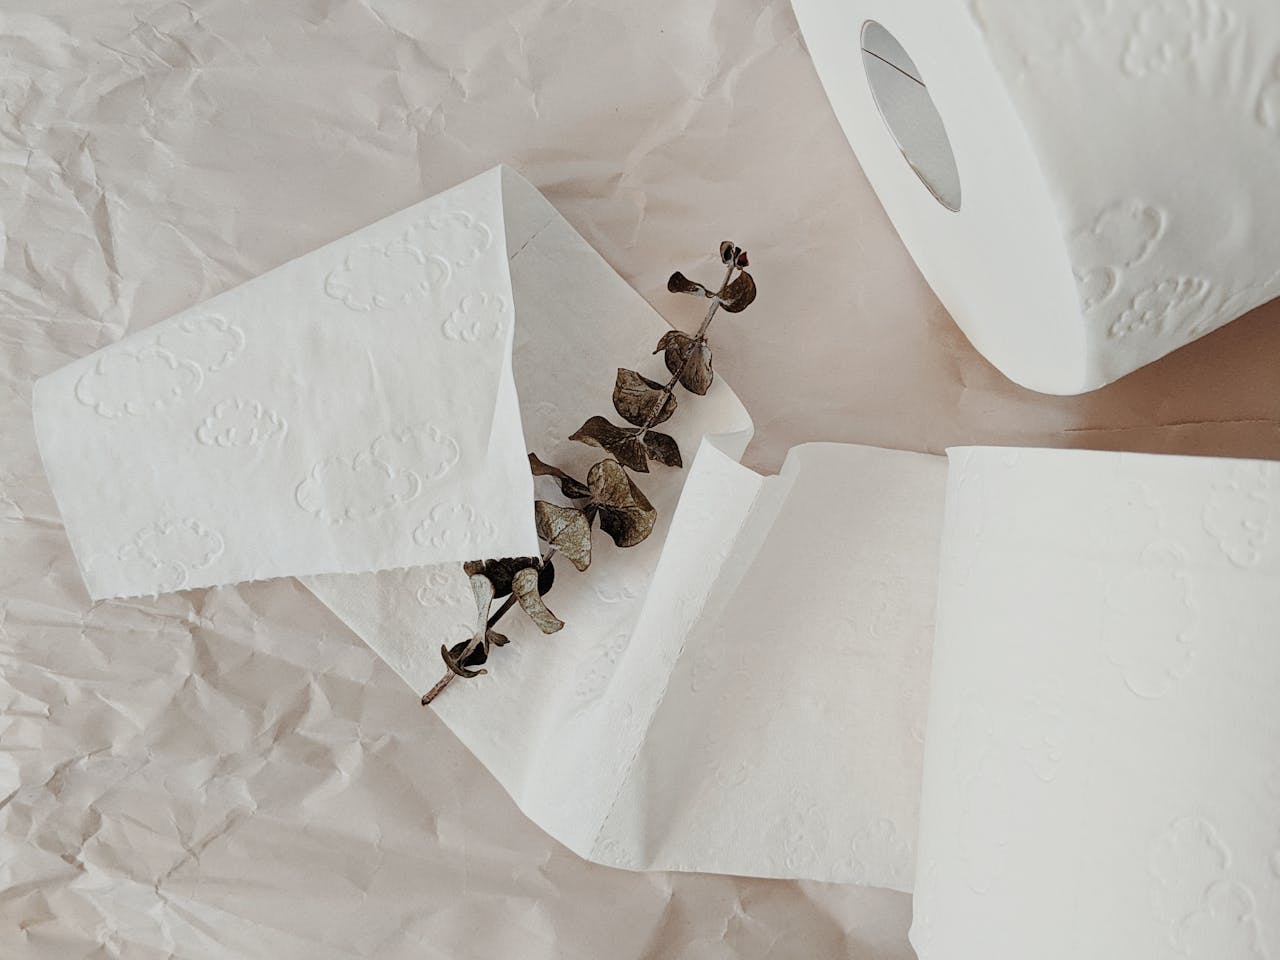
(230, 772)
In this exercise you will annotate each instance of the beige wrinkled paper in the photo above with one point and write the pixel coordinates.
(232, 772)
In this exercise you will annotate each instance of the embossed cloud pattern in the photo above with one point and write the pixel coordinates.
(400, 272)
(170, 551)
(1128, 144)
(1100, 757)
(239, 423)
(296, 424)
(393, 470)
(162, 371)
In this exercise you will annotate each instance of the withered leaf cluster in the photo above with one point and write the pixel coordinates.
(608, 498)
(524, 578)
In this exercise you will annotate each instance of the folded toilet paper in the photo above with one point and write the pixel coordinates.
(351, 410)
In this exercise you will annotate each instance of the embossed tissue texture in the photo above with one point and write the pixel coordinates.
(786, 738)
(751, 699)
(747, 691)
(672, 718)
(654, 701)
(1101, 753)
(1163, 256)
(1116, 159)
(352, 410)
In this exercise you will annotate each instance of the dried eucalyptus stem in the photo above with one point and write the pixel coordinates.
(471, 645)
(699, 339)
(612, 499)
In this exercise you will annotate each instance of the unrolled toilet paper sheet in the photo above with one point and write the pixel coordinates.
(752, 698)
(1102, 769)
(747, 691)
(579, 322)
(671, 634)
(1100, 761)
(787, 739)
(351, 410)
(709, 702)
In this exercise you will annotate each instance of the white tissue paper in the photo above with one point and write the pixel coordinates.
(1102, 773)
(746, 691)
(702, 716)
(795, 616)
(755, 704)
(1113, 162)
(556, 714)
(351, 410)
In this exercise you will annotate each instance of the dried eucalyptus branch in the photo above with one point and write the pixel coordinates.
(609, 497)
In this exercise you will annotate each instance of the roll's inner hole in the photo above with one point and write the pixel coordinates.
(908, 111)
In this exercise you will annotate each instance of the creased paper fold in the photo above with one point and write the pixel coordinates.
(589, 729)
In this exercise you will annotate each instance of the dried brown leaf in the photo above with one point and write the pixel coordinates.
(673, 340)
(482, 588)
(498, 572)
(679, 283)
(638, 399)
(689, 360)
(567, 529)
(473, 659)
(525, 587)
(625, 513)
(570, 487)
(546, 577)
(727, 251)
(495, 638)
(463, 668)
(738, 294)
(696, 375)
(623, 444)
(663, 448)
(628, 527)
(610, 486)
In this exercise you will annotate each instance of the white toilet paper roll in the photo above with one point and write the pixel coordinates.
(1102, 760)
(1099, 178)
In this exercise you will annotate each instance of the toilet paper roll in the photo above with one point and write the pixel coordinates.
(1102, 760)
(1086, 184)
